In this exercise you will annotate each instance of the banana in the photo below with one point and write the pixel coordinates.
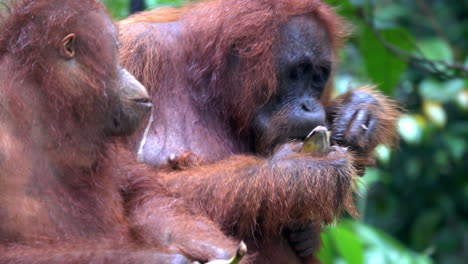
(318, 140)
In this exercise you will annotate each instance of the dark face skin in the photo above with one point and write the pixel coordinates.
(303, 64)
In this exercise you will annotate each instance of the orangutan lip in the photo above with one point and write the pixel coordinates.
(142, 100)
(147, 105)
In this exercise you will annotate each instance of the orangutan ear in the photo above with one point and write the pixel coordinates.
(67, 46)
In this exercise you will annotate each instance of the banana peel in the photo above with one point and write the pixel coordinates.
(318, 140)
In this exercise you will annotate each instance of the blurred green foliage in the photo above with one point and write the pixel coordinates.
(119, 8)
(416, 52)
(356, 243)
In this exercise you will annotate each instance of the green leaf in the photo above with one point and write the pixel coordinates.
(348, 245)
(389, 14)
(390, 249)
(326, 252)
(374, 256)
(424, 228)
(352, 242)
(457, 145)
(117, 8)
(436, 49)
(344, 7)
(158, 3)
(443, 92)
(383, 67)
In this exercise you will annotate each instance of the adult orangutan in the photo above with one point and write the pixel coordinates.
(65, 195)
(236, 84)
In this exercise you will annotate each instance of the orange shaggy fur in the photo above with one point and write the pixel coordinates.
(209, 66)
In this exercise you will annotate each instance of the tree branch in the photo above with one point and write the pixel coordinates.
(442, 69)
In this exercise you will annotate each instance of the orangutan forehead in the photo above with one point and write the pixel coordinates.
(303, 38)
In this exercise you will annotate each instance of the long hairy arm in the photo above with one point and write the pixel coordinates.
(87, 253)
(158, 218)
(248, 194)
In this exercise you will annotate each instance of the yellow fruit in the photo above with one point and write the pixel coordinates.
(317, 141)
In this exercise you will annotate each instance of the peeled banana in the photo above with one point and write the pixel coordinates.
(318, 140)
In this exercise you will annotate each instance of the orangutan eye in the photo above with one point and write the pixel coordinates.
(300, 71)
(320, 75)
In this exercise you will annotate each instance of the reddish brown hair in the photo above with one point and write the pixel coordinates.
(27, 33)
(248, 30)
(30, 39)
